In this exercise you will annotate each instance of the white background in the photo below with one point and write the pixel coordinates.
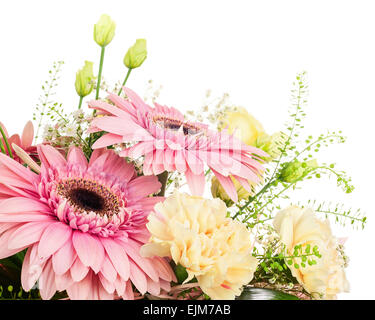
(250, 49)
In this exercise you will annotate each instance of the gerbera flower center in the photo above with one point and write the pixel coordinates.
(176, 125)
(87, 195)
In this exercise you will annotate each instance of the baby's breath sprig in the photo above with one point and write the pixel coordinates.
(45, 99)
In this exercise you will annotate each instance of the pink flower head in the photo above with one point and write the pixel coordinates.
(83, 224)
(170, 143)
(24, 142)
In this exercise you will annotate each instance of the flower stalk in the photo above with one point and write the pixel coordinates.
(100, 72)
(125, 80)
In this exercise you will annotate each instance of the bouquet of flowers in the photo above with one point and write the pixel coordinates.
(107, 202)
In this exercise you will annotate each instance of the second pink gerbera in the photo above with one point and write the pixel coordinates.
(170, 143)
(83, 224)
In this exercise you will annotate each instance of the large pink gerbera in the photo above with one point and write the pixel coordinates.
(170, 143)
(83, 224)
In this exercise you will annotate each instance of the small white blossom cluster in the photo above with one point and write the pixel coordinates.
(213, 109)
(67, 132)
(152, 92)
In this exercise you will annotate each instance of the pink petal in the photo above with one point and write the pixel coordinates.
(118, 167)
(153, 287)
(103, 294)
(107, 285)
(195, 164)
(138, 278)
(118, 257)
(22, 205)
(27, 234)
(138, 150)
(120, 127)
(53, 238)
(123, 104)
(180, 161)
(7, 190)
(135, 99)
(50, 157)
(81, 290)
(227, 184)
(27, 135)
(108, 108)
(143, 186)
(169, 160)
(107, 140)
(196, 182)
(146, 204)
(76, 156)
(47, 287)
(108, 271)
(78, 270)
(120, 285)
(128, 294)
(4, 240)
(89, 250)
(24, 217)
(133, 249)
(165, 271)
(244, 183)
(157, 162)
(63, 258)
(17, 171)
(63, 281)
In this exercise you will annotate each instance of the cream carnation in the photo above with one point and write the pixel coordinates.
(326, 278)
(196, 234)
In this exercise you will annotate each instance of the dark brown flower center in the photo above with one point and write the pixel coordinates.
(89, 200)
(88, 195)
(176, 125)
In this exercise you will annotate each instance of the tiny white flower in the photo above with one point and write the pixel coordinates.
(78, 115)
(70, 129)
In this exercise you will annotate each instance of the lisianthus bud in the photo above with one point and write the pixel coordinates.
(136, 54)
(84, 77)
(271, 144)
(104, 30)
(243, 124)
(293, 171)
(218, 191)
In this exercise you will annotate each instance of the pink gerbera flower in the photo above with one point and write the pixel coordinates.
(170, 143)
(83, 224)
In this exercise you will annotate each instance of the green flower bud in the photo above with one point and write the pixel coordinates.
(293, 171)
(104, 30)
(84, 77)
(136, 54)
(271, 144)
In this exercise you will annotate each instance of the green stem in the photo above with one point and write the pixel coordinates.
(6, 142)
(100, 73)
(2, 147)
(80, 102)
(126, 79)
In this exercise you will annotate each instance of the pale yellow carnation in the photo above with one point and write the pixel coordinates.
(196, 234)
(297, 226)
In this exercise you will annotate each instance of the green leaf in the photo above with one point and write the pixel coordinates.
(181, 273)
(250, 293)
